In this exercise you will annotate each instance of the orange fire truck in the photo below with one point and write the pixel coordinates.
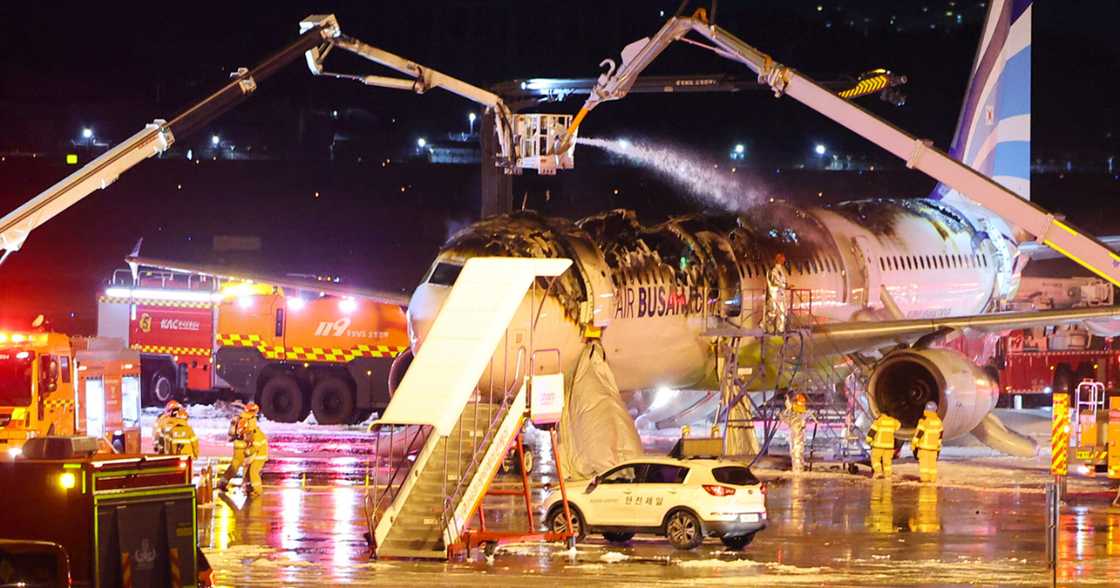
(295, 347)
(54, 384)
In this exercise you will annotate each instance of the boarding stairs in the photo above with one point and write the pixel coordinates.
(441, 440)
(448, 480)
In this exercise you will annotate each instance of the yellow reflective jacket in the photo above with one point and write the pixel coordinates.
(881, 435)
(182, 438)
(258, 442)
(928, 435)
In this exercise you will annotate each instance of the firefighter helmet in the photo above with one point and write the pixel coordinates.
(801, 400)
(251, 409)
(172, 406)
(931, 406)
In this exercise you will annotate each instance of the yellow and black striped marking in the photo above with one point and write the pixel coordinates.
(172, 350)
(865, 87)
(147, 302)
(328, 354)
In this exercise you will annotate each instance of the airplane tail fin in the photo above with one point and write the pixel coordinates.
(993, 132)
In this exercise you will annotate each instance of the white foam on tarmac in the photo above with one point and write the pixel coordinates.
(613, 557)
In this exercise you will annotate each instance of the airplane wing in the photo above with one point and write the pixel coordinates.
(382, 296)
(852, 336)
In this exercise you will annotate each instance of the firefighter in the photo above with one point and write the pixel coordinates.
(927, 443)
(181, 438)
(881, 440)
(236, 435)
(777, 282)
(794, 417)
(162, 427)
(256, 449)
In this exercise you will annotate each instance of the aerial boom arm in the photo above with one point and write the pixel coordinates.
(154, 139)
(918, 154)
(420, 80)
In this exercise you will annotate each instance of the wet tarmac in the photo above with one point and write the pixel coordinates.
(833, 529)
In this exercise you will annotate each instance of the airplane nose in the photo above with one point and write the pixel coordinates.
(425, 304)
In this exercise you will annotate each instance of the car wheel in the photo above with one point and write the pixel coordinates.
(618, 537)
(332, 402)
(558, 524)
(737, 542)
(683, 530)
(282, 400)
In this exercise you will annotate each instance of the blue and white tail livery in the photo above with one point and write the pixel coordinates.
(993, 133)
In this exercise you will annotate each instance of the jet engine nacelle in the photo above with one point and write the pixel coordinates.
(904, 381)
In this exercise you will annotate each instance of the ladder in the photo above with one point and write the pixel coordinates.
(445, 438)
(447, 485)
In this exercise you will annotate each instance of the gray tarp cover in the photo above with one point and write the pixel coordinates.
(596, 430)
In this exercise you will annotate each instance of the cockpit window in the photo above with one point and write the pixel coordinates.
(445, 274)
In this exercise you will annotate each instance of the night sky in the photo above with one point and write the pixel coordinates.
(70, 65)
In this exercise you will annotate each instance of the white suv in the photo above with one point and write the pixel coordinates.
(683, 499)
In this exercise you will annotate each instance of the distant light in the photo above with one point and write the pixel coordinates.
(71, 159)
(245, 302)
(348, 305)
(740, 148)
(820, 8)
(421, 142)
(215, 140)
(296, 303)
(14, 452)
(471, 117)
(623, 144)
(190, 154)
(87, 133)
(820, 149)
(67, 480)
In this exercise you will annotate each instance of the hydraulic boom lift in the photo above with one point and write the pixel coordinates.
(523, 139)
(618, 80)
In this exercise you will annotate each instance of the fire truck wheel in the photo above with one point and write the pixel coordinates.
(163, 387)
(1063, 380)
(332, 401)
(282, 400)
(360, 416)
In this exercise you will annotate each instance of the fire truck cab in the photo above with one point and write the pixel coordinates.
(36, 387)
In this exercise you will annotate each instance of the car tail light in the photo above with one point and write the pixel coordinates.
(715, 490)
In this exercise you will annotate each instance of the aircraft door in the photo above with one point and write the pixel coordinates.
(865, 291)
